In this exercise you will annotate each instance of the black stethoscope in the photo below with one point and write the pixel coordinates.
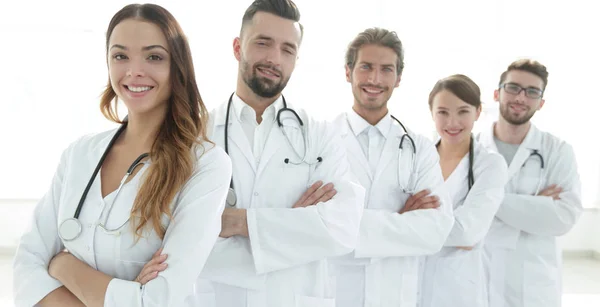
(413, 173)
(231, 197)
(70, 229)
(470, 176)
(535, 153)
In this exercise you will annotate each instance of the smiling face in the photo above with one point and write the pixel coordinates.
(373, 77)
(518, 109)
(139, 65)
(267, 51)
(453, 117)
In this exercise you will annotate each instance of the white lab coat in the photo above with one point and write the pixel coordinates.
(456, 275)
(384, 269)
(283, 263)
(189, 237)
(521, 248)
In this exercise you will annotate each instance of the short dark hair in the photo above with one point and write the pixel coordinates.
(376, 36)
(461, 86)
(527, 65)
(283, 8)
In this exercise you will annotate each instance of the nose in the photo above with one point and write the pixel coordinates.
(136, 69)
(274, 56)
(520, 97)
(374, 76)
(453, 121)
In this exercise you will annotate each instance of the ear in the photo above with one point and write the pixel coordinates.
(398, 81)
(497, 95)
(348, 74)
(478, 112)
(237, 46)
(541, 104)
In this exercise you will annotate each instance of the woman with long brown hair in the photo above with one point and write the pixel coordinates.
(95, 228)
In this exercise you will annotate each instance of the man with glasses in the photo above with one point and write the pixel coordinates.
(543, 195)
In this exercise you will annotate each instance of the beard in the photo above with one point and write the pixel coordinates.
(512, 119)
(261, 86)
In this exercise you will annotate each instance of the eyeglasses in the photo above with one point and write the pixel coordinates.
(515, 89)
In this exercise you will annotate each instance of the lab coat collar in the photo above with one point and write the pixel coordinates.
(533, 140)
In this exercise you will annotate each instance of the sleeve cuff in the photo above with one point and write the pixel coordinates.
(123, 293)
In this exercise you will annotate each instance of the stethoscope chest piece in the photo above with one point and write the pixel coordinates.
(231, 198)
(69, 229)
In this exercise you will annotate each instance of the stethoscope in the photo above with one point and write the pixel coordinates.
(536, 153)
(231, 197)
(413, 171)
(470, 176)
(70, 229)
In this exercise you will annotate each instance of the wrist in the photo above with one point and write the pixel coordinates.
(242, 222)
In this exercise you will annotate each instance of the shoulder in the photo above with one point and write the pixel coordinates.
(91, 142)
(209, 155)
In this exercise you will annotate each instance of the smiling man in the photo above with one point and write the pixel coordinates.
(543, 195)
(407, 212)
(281, 222)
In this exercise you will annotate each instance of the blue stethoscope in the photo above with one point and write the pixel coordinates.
(536, 153)
(231, 197)
(70, 229)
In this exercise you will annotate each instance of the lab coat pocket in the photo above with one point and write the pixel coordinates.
(311, 301)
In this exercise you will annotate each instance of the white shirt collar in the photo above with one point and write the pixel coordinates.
(359, 124)
(240, 107)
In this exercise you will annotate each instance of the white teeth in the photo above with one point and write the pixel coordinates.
(139, 89)
(372, 91)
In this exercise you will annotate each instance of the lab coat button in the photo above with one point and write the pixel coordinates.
(255, 193)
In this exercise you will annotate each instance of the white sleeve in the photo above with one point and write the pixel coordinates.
(413, 233)
(188, 240)
(542, 215)
(38, 245)
(285, 238)
(473, 219)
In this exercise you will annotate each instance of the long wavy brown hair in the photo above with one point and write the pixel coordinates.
(184, 125)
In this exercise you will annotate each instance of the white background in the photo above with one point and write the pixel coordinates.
(53, 69)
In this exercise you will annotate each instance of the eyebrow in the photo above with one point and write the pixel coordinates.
(371, 64)
(143, 49)
(267, 38)
(533, 87)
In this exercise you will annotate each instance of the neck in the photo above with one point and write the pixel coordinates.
(142, 130)
(451, 151)
(372, 116)
(258, 103)
(509, 133)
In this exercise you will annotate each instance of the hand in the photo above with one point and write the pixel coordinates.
(467, 248)
(421, 201)
(551, 191)
(57, 263)
(151, 269)
(315, 194)
(234, 222)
